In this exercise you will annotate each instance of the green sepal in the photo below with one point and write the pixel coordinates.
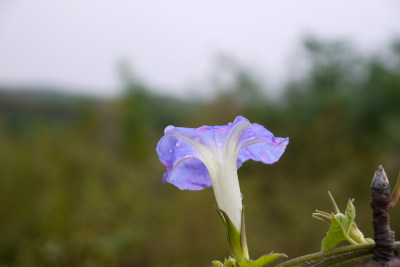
(238, 246)
(243, 238)
(233, 236)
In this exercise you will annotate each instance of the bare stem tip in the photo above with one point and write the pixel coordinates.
(380, 182)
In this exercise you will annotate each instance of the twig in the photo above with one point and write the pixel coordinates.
(384, 250)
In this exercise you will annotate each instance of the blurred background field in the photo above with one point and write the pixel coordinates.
(81, 183)
(87, 88)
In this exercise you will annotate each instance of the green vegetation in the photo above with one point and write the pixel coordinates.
(81, 184)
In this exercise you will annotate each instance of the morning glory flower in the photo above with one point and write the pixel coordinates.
(207, 156)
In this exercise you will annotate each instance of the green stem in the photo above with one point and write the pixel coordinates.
(352, 241)
(337, 255)
(335, 207)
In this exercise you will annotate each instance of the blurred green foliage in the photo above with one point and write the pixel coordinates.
(81, 184)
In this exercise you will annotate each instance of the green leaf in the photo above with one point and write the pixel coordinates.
(350, 216)
(334, 236)
(342, 226)
(323, 216)
(217, 264)
(230, 262)
(262, 261)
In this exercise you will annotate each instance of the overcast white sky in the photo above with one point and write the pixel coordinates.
(171, 44)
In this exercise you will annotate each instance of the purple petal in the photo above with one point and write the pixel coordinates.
(184, 169)
(183, 161)
(191, 174)
(259, 144)
(213, 137)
